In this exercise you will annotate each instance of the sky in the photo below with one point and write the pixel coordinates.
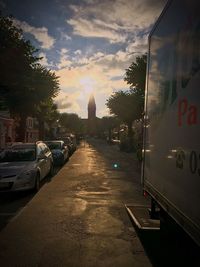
(89, 44)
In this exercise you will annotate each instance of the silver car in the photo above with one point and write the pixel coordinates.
(23, 166)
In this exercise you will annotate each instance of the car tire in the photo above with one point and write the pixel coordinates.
(37, 183)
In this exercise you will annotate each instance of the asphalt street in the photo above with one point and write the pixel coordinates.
(78, 217)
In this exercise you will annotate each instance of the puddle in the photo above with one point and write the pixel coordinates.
(74, 206)
(100, 221)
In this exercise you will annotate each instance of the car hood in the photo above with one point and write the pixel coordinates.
(8, 169)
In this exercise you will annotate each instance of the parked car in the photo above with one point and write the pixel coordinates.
(59, 151)
(73, 140)
(23, 166)
(68, 142)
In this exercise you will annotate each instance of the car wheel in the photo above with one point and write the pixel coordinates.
(37, 183)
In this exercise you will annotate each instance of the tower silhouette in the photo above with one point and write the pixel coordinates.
(92, 120)
(91, 108)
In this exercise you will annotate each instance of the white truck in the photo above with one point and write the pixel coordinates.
(171, 167)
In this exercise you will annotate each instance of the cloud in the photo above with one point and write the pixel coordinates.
(115, 20)
(62, 101)
(87, 28)
(78, 52)
(138, 45)
(40, 34)
(64, 62)
(64, 36)
(44, 60)
(67, 102)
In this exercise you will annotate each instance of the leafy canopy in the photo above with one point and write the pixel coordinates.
(136, 75)
(126, 105)
(71, 122)
(24, 83)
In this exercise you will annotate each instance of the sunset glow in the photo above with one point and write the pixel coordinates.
(88, 84)
(88, 44)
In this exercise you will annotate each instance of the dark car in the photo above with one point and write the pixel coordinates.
(59, 151)
(68, 142)
(23, 166)
(73, 140)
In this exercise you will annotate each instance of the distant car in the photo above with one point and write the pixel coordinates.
(24, 165)
(73, 139)
(59, 151)
(68, 142)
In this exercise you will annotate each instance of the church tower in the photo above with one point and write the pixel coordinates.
(92, 119)
(91, 108)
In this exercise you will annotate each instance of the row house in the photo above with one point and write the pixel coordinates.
(32, 132)
(7, 129)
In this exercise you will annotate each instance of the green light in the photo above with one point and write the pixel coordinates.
(115, 165)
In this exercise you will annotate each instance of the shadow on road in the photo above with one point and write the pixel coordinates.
(172, 250)
(11, 203)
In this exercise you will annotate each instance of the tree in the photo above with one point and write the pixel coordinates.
(108, 124)
(37, 98)
(24, 83)
(71, 122)
(16, 63)
(47, 112)
(136, 75)
(127, 106)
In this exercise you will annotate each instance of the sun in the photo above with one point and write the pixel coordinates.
(87, 84)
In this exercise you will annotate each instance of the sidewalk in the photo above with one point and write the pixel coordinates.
(79, 218)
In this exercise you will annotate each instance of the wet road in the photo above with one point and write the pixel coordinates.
(78, 218)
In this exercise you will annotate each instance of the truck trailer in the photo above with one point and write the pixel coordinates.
(171, 165)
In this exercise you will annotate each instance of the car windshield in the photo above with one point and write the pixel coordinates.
(17, 155)
(54, 145)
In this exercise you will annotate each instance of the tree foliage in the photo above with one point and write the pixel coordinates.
(16, 64)
(47, 112)
(126, 105)
(108, 124)
(136, 75)
(129, 105)
(25, 85)
(71, 122)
